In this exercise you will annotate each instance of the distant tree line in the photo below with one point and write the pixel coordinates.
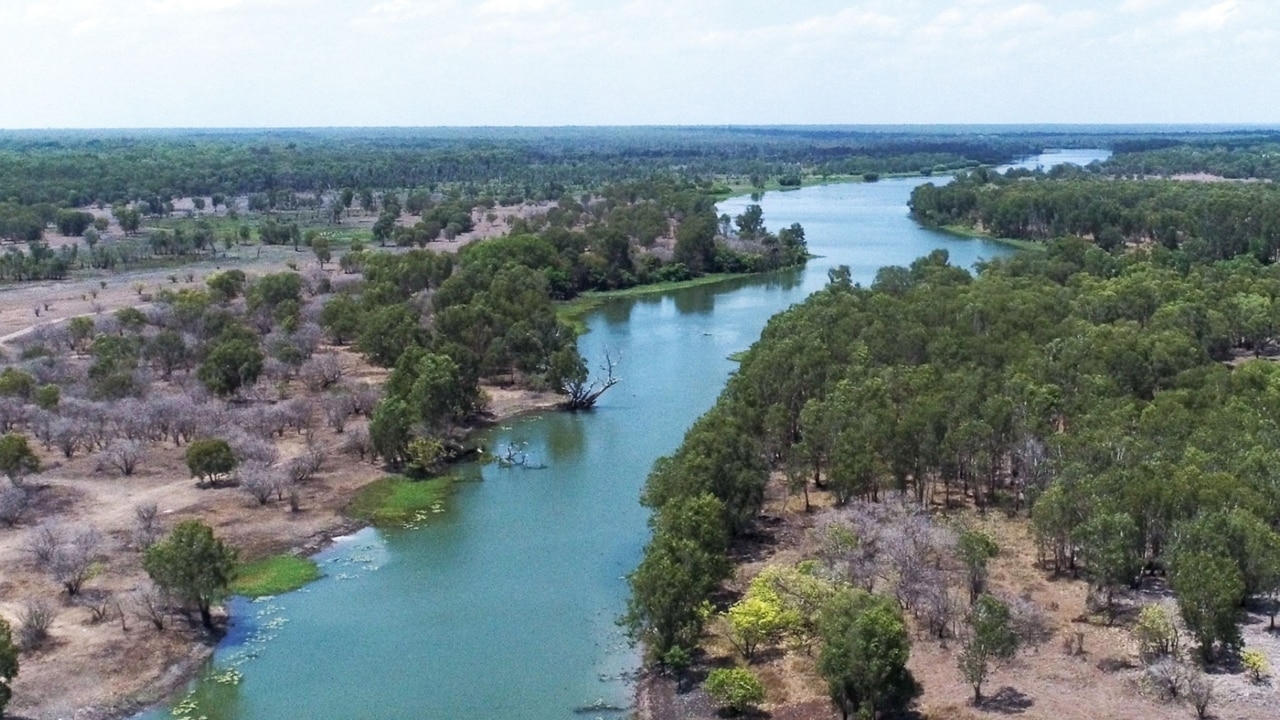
(1206, 220)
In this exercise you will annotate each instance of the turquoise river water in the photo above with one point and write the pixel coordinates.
(503, 604)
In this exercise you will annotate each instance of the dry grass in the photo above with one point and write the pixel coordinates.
(1046, 683)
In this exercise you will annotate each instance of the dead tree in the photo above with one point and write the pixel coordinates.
(583, 394)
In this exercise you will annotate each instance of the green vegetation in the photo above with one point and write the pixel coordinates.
(17, 459)
(274, 575)
(396, 500)
(1203, 221)
(209, 460)
(8, 663)
(990, 640)
(193, 565)
(864, 655)
(736, 689)
(1106, 398)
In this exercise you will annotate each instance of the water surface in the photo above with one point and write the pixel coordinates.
(503, 605)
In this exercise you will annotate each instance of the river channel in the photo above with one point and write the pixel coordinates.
(503, 604)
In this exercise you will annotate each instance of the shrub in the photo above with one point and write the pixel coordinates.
(737, 689)
(34, 620)
(1156, 634)
(1255, 661)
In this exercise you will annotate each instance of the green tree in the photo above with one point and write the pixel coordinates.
(695, 243)
(270, 291)
(17, 384)
(17, 460)
(323, 253)
(387, 332)
(736, 689)
(751, 222)
(167, 350)
(682, 565)
(1209, 589)
(226, 285)
(341, 318)
(209, 459)
(990, 640)
(758, 620)
(864, 654)
(975, 549)
(8, 664)
(47, 397)
(391, 429)
(80, 331)
(230, 366)
(193, 565)
(1111, 549)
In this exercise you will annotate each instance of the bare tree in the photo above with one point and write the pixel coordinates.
(73, 559)
(367, 398)
(356, 441)
(151, 604)
(338, 407)
(259, 480)
(13, 501)
(1200, 689)
(298, 413)
(98, 603)
(67, 436)
(123, 456)
(1030, 622)
(12, 413)
(583, 392)
(43, 543)
(305, 465)
(320, 372)
(34, 620)
(1167, 677)
(307, 338)
(146, 526)
(246, 448)
(94, 420)
(41, 422)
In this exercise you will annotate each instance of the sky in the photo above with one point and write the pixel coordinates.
(320, 63)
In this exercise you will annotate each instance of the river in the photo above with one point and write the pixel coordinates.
(503, 604)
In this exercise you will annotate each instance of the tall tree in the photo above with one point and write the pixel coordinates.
(864, 654)
(193, 565)
(990, 640)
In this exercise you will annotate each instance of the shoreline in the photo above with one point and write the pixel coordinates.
(186, 650)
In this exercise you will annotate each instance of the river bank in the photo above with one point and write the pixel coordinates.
(114, 664)
(529, 561)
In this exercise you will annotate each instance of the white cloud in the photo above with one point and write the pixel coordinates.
(1208, 19)
(521, 7)
(1140, 6)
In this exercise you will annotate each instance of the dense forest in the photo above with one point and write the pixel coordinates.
(1255, 156)
(1207, 220)
(1110, 399)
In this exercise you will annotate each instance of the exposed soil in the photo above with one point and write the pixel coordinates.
(116, 666)
(1105, 681)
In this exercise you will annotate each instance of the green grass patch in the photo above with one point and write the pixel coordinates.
(397, 500)
(274, 575)
(738, 356)
(573, 312)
